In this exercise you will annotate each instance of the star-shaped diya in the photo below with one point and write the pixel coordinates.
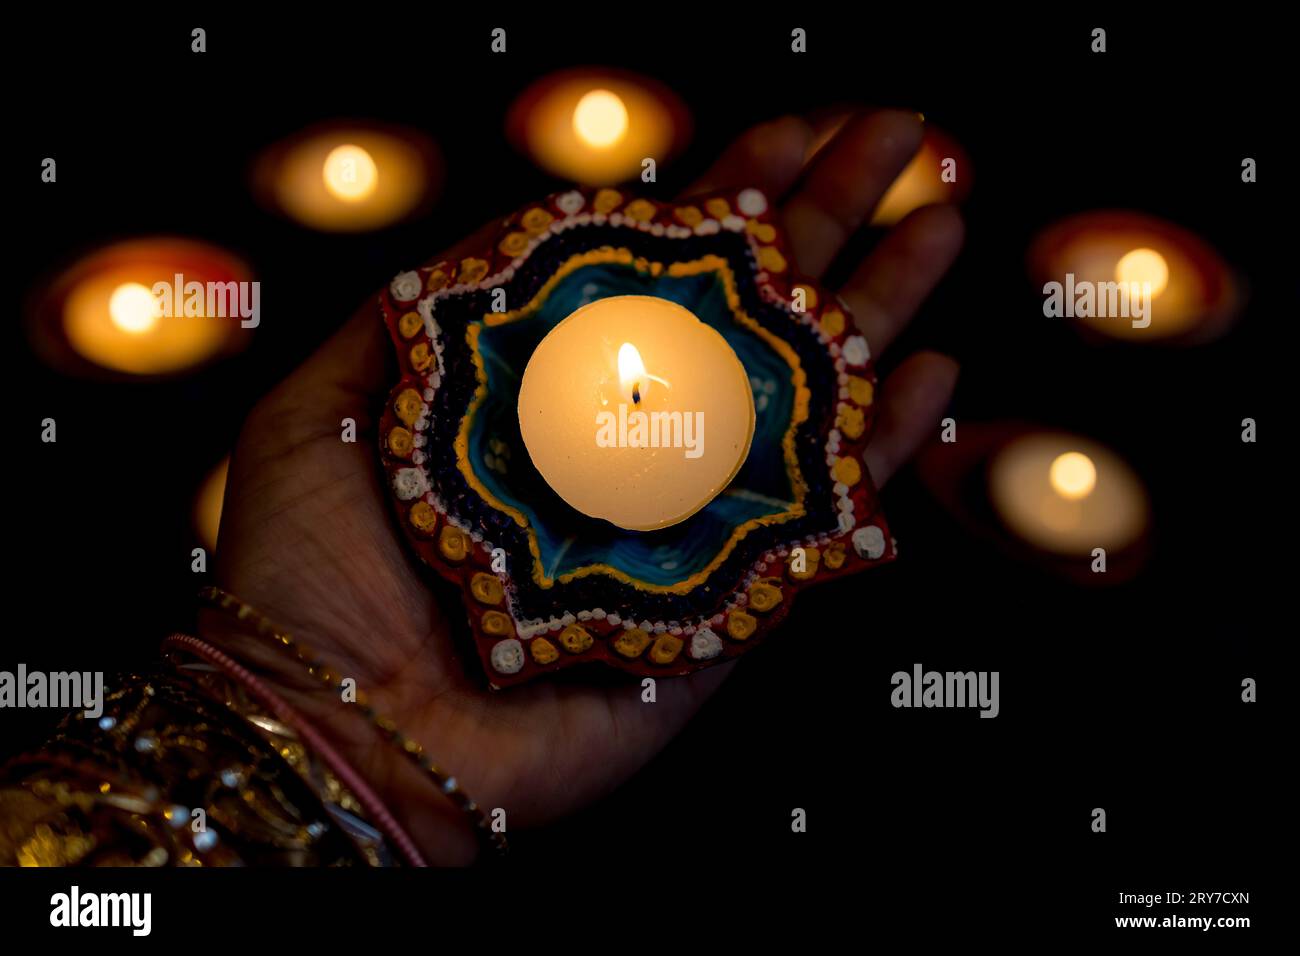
(628, 433)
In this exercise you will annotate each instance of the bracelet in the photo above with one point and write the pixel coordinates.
(312, 738)
(406, 745)
(182, 767)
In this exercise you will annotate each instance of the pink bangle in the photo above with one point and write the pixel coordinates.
(285, 712)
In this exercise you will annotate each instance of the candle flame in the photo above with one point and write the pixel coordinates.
(1073, 475)
(632, 374)
(350, 173)
(133, 308)
(600, 119)
(631, 371)
(1141, 266)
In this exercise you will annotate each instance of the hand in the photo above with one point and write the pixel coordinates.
(308, 535)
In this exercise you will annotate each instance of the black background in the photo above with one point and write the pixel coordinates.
(1125, 697)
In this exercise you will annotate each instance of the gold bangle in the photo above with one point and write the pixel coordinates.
(405, 744)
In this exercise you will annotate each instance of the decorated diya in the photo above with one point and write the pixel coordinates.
(629, 433)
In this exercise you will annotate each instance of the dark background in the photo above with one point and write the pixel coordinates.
(1125, 697)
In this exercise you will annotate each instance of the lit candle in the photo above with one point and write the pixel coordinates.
(104, 312)
(348, 178)
(635, 411)
(1190, 295)
(600, 119)
(1067, 495)
(596, 127)
(350, 173)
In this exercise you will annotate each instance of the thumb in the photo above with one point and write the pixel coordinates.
(354, 363)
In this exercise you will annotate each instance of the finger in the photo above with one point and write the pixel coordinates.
(769, 157)
(911, 403)
(825, 128)
(845, 182)
(889, 286)
(352, 362)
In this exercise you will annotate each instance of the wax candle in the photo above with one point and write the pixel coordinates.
(1067, 494)
(597, 126)
(1177, 288)
(349, 177)
(635, 411)
(106, 313)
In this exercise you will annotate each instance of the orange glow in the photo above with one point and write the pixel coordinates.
(1194, 295)
(133, 308)
(1143, 267)
(921, 183)
(207, 505)
(600, 119)
(350, 173)
(101, 314)
(1073, 475)
(597, 127)
(1067, 494)
(349, 178)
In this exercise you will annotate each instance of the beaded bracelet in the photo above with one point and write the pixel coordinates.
(405, 744)
(285, 712)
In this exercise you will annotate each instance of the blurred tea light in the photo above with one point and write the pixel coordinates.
(1073, 475)
(1143, 267)
(100, 314)
(349, 178)
(1194, 295)
(1067, 495)
(596, 127)
(350, 173)
(600, 119)
(207, 505)
(921, 182)
(133, 308)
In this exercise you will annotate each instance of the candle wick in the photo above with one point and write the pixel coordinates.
(636, 393)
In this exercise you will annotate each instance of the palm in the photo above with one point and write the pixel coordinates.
(308, 538)
(307, 534)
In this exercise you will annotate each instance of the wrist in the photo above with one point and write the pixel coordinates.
(385, 759)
